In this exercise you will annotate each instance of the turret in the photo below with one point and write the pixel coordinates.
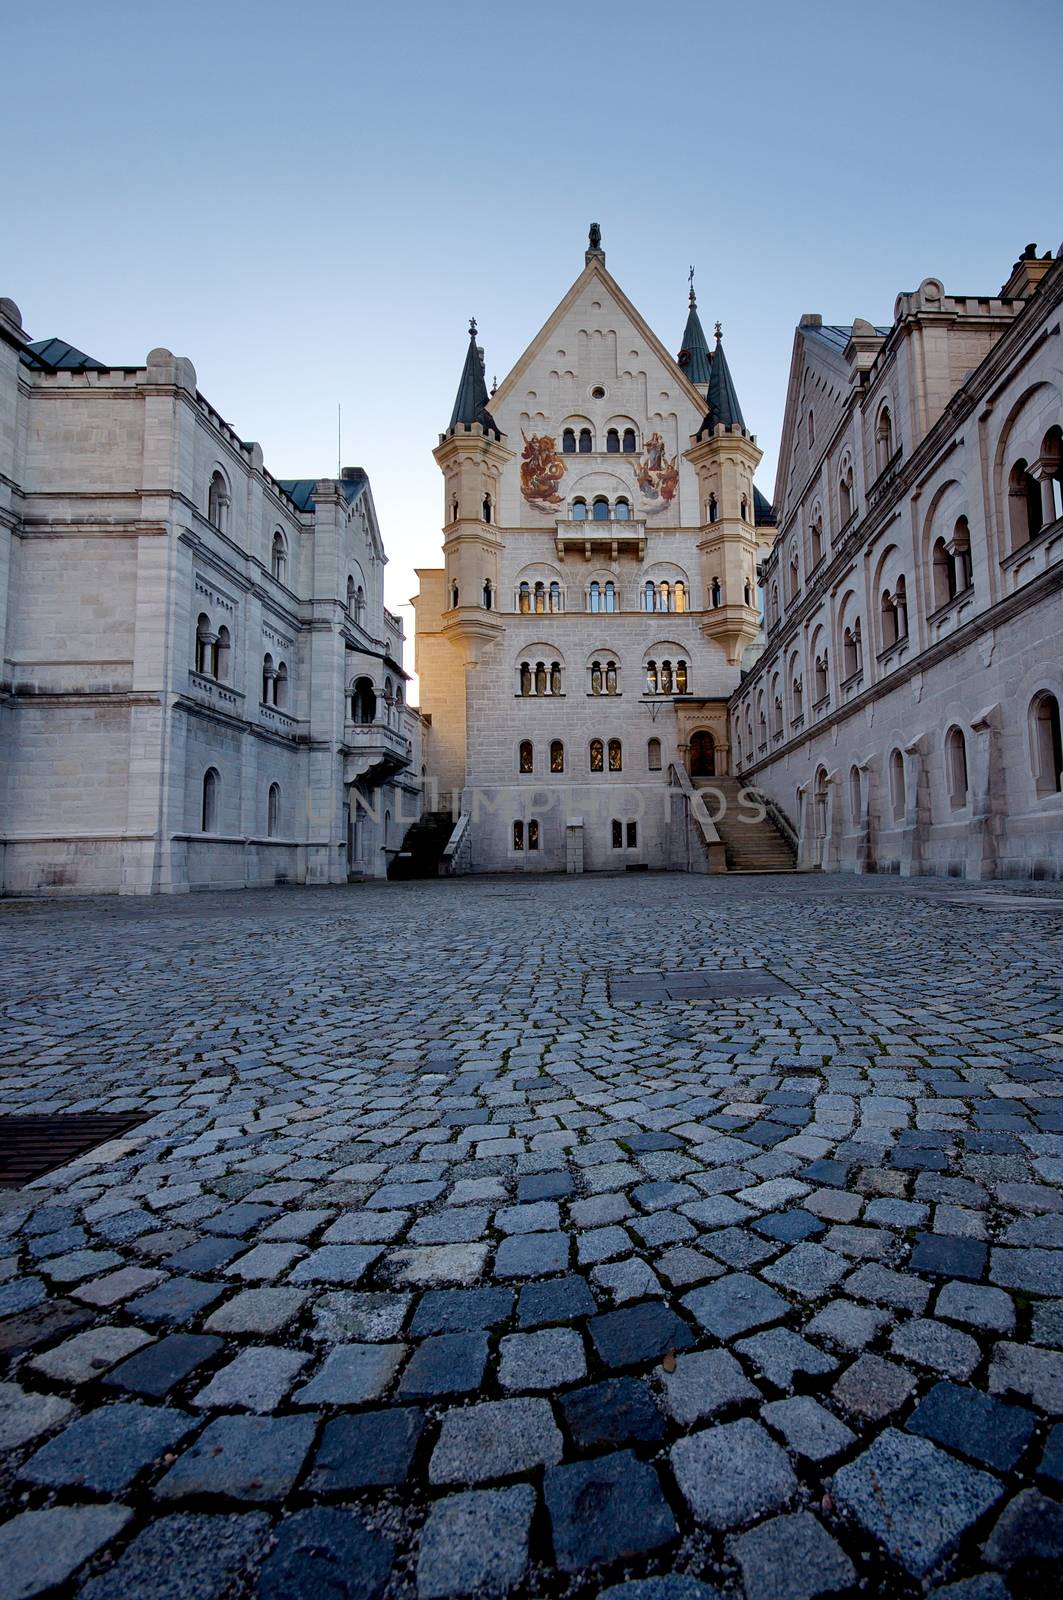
(694, 357)
(471, 456)
(724, 455)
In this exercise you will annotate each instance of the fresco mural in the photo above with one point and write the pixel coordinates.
(658, 477)
(541, 471)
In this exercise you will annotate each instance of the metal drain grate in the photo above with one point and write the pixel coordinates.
(741, 984)
(32, 1146)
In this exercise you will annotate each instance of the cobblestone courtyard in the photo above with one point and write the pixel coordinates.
(458, 1254)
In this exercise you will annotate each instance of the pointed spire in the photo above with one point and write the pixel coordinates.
(694, 355)
(723, 397)
(470, 406)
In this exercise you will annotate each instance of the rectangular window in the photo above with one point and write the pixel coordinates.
(632, 835)
(618, 835)
(518, 836)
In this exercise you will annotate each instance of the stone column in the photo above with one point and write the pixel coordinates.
(985, 787)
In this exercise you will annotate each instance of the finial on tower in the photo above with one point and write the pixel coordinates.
(719, 330)
(472, 328)
(693, 299)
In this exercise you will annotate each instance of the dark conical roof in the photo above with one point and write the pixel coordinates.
(723, 397)
(470, 406)
(694, 356)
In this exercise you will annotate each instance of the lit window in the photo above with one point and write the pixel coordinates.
(597, 756)
(557, 756)
(616, 762)
(525, 756)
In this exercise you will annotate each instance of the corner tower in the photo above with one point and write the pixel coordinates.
(724, 455)
(471, 456)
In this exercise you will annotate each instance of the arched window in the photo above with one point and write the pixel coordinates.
(1024, 504)
(653, 755)
(890, 630)
(555, 595)
(616, 829)
(533, 834)
(774, 605)
(454, 509)
(218, 501)
(280, 686)
(454, 597)
(525, 756)
(540, 596)
(616, 756)
(267, 678)
(518, 835)
(350, 597)
(525, 678)
(776, 718)
(846, 503)
(745, 509)
(540, 677)
(609, 596)
(811, 430)
(884, 439)
(359, 605)
(278, 561)
(610, 677)
(900, 602)
(649, 595)
(524, 597)
(579, 510)
(398, 694)
(854, 794)
(204, 645)
(596, 596)
(748, 593)
(597, 756)
(794, 579)
(273, 810)
(622, 510)
(852, 653)
(600, 509)
(630, 442)
(714, 508)
(211, 797)
(487, 508)
(956, 768)
(666, 677)
(596, 677)
(664, 597)
(612, 442)
(223, 655)
(363, 701)
(557, 756)
(651, 677)
(822, 684)
(555, 677)
(568, 441)
(1047, 740)
(716, 592)
(488, 594)
(1051, 464)
(680, 677)
(798, 696)
(586, 444)
(897, 785)
(815, 534)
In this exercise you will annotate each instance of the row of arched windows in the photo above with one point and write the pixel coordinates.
(1036, 502)
(602, 755)
(219, 504)
(210, 807)
(364, 704)
(539, 678)
(274, 683)
(665, 679)
(355, 601)
(539, 595)
(600, 509)
(213, 656)
(581, 441)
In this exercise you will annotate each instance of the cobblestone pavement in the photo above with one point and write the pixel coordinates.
(441, 1268)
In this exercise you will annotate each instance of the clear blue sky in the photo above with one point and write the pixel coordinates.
(310, 200)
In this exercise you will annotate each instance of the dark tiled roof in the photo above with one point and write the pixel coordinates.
(723, 397)
(57, 355)
(694, 355)
(763, 513)
(301, 490)
(470, 404)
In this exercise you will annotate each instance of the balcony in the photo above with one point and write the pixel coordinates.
(374, 751)
(598, 538)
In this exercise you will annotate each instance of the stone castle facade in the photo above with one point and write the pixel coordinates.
(200, 685)
(578, 647)
(906, 709)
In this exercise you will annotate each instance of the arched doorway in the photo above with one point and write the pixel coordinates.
(702, 754)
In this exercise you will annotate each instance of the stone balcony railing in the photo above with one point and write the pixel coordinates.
(374, 750)
(600, 536)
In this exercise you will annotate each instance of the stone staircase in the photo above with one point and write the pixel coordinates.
(423, 846)
(751, 846)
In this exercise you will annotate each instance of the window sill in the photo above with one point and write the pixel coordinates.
(853, 682)
(951, 605)
(821, 705)
(898, 648)
(619, 695)
(1016, 556)
(519, 696)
